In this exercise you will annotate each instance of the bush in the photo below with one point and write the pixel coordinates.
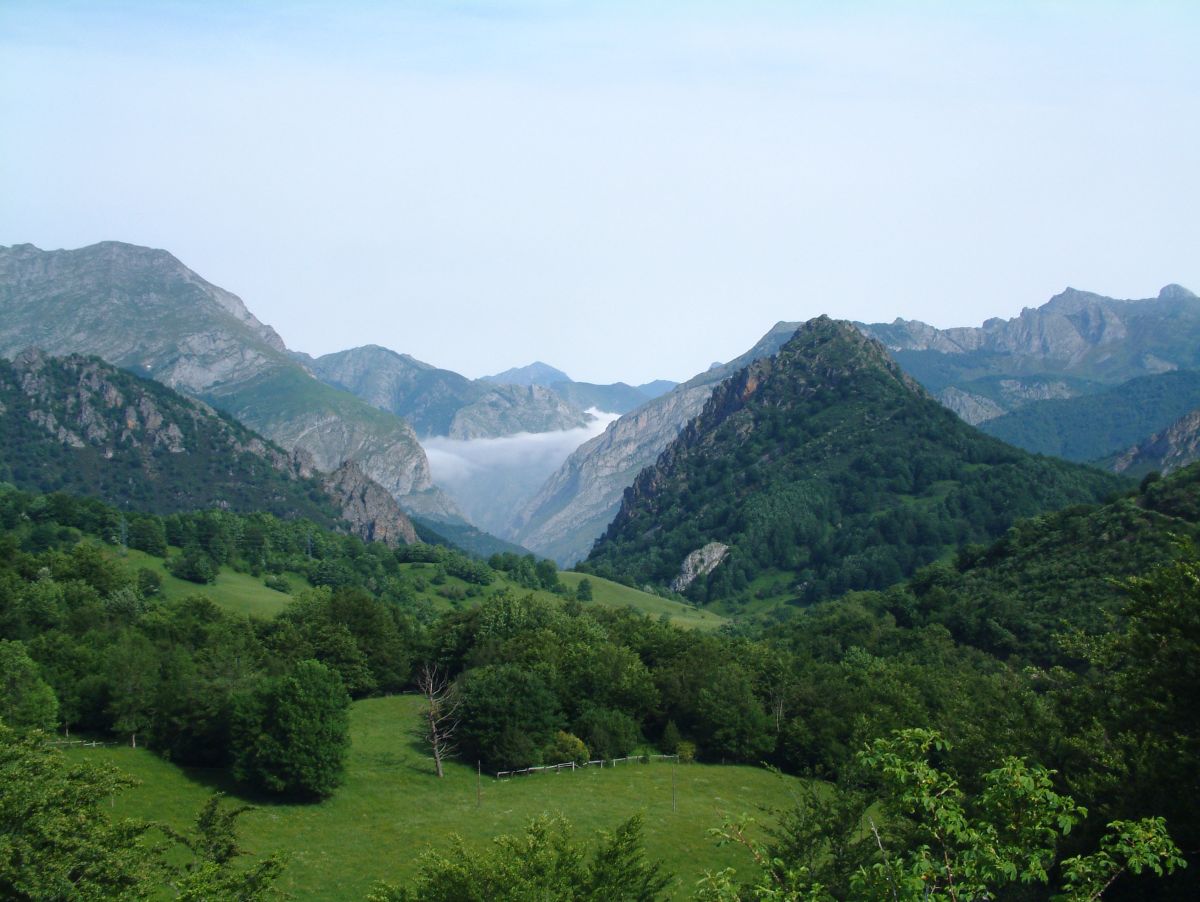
(566, 747)
(686, 751)
(608, 733)
(194, 566)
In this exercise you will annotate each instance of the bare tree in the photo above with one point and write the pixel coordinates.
(442, 715)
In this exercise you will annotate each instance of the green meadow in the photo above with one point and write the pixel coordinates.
(241, 593)
(392, 806)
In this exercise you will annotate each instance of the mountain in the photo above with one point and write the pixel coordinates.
(442, 402)
(615, 398)
(1094, 426)
(78, 424)
(1164, 452)
(828, 467)
(143, 310)
(575, 505)
(656, 388)
(536, 373)
(1076, 343)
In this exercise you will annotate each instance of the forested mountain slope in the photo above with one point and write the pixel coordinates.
(78, 424)
(829, 464)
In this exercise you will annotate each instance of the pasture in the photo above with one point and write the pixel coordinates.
(392, 806)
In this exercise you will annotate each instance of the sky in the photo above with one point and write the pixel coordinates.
(627, 191)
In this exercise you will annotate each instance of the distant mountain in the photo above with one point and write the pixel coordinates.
(656, 388)
(442, 402)
(1173, 448)
(575, 505)
(143, 310)
(828, 465)
(1094, 426)
(1076, 343)
(615, 398)
(80, 425)
(536, 373)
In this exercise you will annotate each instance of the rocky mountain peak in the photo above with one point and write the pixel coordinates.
(1175, 292)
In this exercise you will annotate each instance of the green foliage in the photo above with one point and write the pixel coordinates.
(583, 591)
(193, 565)
(291, 736)
(508, 715)
(546, 862)
(1094, 426)
(25, 699)
(933, 841)
(566, 747)
(607, 732)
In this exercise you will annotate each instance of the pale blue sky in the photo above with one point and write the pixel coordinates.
(625, 190)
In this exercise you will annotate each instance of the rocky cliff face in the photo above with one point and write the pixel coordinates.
(1172, 449)
(575, 505)
(1075, 343)
(371, 511)
(509, 409)
(143, 310)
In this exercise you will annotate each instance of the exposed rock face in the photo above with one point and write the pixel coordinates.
(509, 409)
(576, 504)
(700, 562)
(371, 511)
(80, 424)
(1175, 447)
(143, 310)
(975, 409)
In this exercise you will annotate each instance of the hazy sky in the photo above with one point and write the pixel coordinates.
(624, 190)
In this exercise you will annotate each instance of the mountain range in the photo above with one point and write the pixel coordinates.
(827, 468)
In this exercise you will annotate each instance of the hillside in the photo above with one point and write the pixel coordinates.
(141, 309)
(1166, 451)
(1094, 426)
(827, 464)
(80, 425)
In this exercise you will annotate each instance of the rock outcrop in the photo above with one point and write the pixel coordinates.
(1172, 449)
(371, 511)
(700, 562)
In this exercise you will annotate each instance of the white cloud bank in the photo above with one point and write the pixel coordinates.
(491, 479)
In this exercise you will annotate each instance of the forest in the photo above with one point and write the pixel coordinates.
(1069, 644)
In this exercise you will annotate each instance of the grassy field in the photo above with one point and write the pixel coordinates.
(242, 593)
(391, 807)
(615, 595)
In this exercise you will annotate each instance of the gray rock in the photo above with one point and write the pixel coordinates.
(700, 562)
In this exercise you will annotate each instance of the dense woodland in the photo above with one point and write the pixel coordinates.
(1071, 642)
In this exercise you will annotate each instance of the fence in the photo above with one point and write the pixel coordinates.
(87, 743)
(571, 765)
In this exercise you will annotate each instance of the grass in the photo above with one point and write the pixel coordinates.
(611, 594)
(392, 807)
(241, 593)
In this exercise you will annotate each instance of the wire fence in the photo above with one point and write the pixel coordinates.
(573, 765)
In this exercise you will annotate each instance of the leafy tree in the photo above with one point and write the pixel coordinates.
(216, 870)
(56, 839)
(935, 842)
(507, 715)
(291, 737)
(25, 698)
(583, 591)
(546, 862)
(193, 565)
(609, 733)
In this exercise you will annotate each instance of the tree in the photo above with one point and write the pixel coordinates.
(291, 737)
(508, 714)
(56, 840)
(584, 590)
(546, 862)
(441, 717)
(933, 842)
(25, 698)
